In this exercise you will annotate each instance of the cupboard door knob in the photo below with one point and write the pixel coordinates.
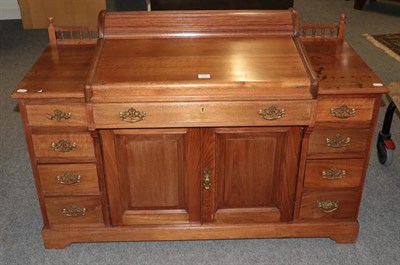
(132, 115)
(343, 112)
(206, 179)
(328, 206)
(333, 173)
(74, 211)
(338, 141)
(272, 113)
(68, 179)
(59, 115)
(62, 146)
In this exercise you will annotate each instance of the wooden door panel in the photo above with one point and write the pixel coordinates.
(255, 171)
(152, 171)
(246, 171)
(153, 168)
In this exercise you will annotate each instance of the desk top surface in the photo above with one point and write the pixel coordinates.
(61, 72)
(272, 60)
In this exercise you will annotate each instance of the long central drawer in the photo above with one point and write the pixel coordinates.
(202, 114)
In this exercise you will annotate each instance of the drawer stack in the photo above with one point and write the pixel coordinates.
(65, 165)
(336, 159)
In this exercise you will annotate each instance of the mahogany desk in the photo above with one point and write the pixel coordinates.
(200, 125)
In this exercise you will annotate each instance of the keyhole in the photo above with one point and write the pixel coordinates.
(202, 109)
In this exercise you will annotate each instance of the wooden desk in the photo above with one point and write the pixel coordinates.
(221, 125)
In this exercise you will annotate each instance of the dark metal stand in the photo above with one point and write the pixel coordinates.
(385, 144)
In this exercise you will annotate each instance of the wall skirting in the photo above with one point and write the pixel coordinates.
(9, 9)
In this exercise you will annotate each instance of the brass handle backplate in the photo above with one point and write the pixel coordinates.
(343, 112)
(207, 179)
(338, 141)
(59, 115)
(132, 115)
(333, 174)
(68, 179)
(74, 211)
(328, 206)
(63, 146)
(272, 113)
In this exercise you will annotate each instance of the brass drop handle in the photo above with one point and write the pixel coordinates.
(132, 115)
(333, 173)
(63, 146)
(59, 115)
(74, 211)
(272, 113)
(328, 206)
(68, 179)
(338, 141)
(343, 112)
(206, 179)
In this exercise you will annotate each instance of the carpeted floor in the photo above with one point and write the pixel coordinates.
(389, 42)
(20, 219)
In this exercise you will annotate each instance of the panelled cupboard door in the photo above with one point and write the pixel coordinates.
(221, 175)
(249, 174)
(152, 175)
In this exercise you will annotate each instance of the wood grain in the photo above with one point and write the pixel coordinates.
(343, 231)
(208, 161)
(163, 59)
(348, 205)
(196, 23)
(314, 177)
(152, 172)
(363, 107)
(265, 174)
(59, 72)
(341, 71)
(254, 170)
(88, 183)
(201, 114)
(34, 13)
(358, 138)
(40, 115)
(92, 217)
(84, 146)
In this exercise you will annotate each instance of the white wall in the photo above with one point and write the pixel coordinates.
(9, 9)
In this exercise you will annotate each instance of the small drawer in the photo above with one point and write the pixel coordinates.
(345, 110)
(66, 146)
(338, 141)
(199, 114)
(58, 115)
(328, 205)
(335, 173)
(69, 179)
(74, 211)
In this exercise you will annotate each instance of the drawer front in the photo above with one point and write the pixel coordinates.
(327, 205)
(57, 115)
(198, 114)
(338, 141)
(334, 173)
(69, 179)
(74, 211)
(345, 110)
(66, 145)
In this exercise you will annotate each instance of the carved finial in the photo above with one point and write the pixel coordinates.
(343, 18)
(51, 21)
(342, 28)
(295, 21)
(52, 31)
